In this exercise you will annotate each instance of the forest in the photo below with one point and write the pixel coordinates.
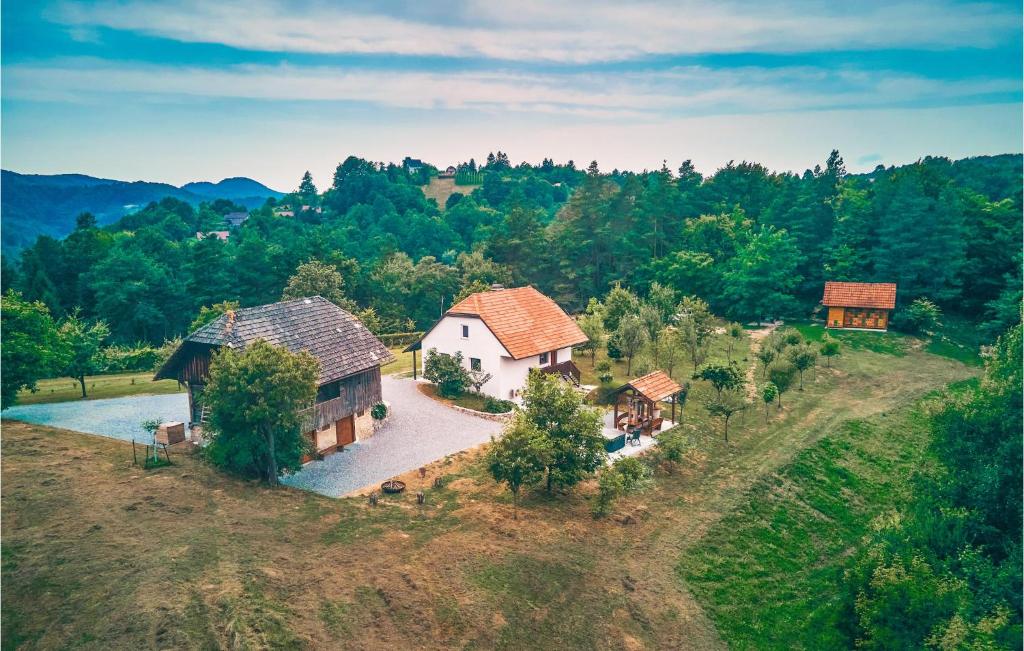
(751, 242)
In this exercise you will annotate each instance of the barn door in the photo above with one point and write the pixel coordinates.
(346, 431)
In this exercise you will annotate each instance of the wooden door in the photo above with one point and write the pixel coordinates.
(346, 430)
(554, 357)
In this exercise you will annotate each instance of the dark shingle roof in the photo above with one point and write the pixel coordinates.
(337, 339)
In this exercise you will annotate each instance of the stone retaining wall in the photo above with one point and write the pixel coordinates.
(481, 414)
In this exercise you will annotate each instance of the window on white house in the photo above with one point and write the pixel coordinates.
(544, 358)
(474, 364)
(465, 332)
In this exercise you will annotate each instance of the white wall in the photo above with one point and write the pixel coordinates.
(447, 338)
(509, 375)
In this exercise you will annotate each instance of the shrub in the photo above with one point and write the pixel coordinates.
(614, 352)
(920, 317)
(446, 372)
(379, 411)
(498, 406)
(604, 371)
(627, 475)
(673, 444)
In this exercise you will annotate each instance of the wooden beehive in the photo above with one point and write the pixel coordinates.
(170, 433)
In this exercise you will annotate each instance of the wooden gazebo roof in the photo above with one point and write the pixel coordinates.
(656, 386)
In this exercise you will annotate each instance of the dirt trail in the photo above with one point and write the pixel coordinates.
(756, 336)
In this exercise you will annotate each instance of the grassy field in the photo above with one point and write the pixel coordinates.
(440, 189)
(402, 363)
(63, 389)
(768, 572)
(100, 554)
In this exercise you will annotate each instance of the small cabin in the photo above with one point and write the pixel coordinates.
(859, 306)
(350, 358)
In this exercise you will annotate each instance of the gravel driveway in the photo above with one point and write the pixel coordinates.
(419, 430)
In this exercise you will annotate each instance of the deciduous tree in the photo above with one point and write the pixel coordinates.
(519, 458)
(254, 396)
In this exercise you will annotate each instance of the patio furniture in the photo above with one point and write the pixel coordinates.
(642, 396)
(634, 437)
(615, 443)
(656, 425)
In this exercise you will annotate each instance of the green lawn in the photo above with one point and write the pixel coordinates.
(64, 389)
(887, 343)
(771, 572)
(402, 363)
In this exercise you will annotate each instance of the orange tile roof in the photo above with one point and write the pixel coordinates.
(876, 295)
(525, 321)
(655, 386)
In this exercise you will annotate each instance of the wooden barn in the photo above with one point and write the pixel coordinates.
(859, 306)
(350, 358)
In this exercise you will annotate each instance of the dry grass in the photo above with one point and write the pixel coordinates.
(100, 554)
(440, 189)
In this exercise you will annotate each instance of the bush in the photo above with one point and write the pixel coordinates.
(604, 371)
(497, 406)
(627, 475)
(673, 444)
(920, 317)
(614, 352)
(379, 411)
(446, 372)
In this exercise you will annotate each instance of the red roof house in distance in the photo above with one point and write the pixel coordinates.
(859, 306)
(506, 332)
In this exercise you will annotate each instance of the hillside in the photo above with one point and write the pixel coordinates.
(37, 204)
(152, 568)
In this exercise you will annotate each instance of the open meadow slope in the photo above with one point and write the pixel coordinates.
(100, 554)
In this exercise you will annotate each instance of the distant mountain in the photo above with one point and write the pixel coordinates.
(40, 204)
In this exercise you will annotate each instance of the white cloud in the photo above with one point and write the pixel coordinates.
(677, 91)
(571, 32)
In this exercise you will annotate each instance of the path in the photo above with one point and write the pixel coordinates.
(755, 346)
(419, 430)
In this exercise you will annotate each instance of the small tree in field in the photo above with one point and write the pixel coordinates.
(830, 347)
(446, 372)
(631, 336)
(802, 358)
(725, 405)
(721, 377)
(920, 317)
(735, 333)
(593, 327)
(255, 396)
(782, 374)
(519, 457)
(769, 393)
(766, 355)
(577, 445)
(81, 347)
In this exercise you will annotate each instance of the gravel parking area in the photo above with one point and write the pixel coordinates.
(419, 430)
(118, 418)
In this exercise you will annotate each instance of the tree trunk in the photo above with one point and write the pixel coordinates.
(801, 380)
(629, 365)
(766, 413)
(726, 429)
(549, 481)
(828, 362)
(81, 381)
(515, 505)
(780, 400)
(271, 459)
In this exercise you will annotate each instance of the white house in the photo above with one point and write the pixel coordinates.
(506, 332)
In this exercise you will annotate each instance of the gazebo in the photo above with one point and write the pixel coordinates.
(642, 396)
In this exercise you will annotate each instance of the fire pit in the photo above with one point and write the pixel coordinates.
(392, 486)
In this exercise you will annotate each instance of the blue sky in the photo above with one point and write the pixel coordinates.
(182, 91)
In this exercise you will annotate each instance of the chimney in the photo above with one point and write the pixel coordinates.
(497, 287)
